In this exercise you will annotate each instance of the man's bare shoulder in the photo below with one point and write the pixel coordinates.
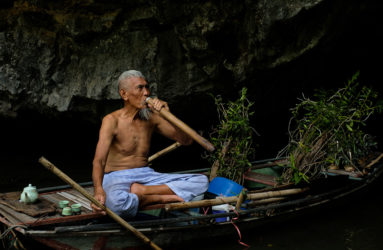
(111, 119)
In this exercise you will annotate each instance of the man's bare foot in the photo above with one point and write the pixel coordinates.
(140, 189)
(154, 194)
(137, 188)
(158, 199)
(167, 198)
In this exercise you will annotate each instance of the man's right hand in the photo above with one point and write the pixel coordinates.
(99, 194)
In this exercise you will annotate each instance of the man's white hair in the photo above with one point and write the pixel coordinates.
(126, 75)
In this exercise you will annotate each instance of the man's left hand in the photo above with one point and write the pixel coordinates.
(158, 104)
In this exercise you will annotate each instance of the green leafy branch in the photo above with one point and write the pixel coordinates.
(235, 133)
(329, 129)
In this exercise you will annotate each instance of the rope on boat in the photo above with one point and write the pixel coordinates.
(14, 242)
(9, 229)
(233, 219)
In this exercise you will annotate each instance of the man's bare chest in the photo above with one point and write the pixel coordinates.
(133, 132)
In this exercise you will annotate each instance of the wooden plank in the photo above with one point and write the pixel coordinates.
(11, 219)
(33, 222)
(270, 164)
(3, 219)
(62, 197)
(80, 197)
(8, 224)
(54, 197)
(61, 219)
(20, 218)
(74, 199)
(40, 207)
(261, 178)
(51, 199)
(344, 172)
(13, 216)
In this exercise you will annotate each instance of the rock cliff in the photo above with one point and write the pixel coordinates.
(59, 56)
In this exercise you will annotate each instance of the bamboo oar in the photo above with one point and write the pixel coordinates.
(185, 128)
(226, 200)
(113, 215)
(164, 151)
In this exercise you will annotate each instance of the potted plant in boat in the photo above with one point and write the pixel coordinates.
(232, 139)
(327, 132)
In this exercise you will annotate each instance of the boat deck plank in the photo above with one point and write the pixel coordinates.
(261, 178)
(10, 215)
(74, 199)
(80, 197)
(15, 217)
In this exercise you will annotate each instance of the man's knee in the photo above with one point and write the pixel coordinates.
(204, 181)
(201, 183)
(123, 203)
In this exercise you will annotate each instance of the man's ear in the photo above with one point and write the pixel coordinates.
(124, 94)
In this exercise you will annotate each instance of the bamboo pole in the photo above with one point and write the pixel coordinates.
(264, 201)
(232, 199)
(241, 198)
(185, 128)
(47, 164)
(164, 151)
(375, 161)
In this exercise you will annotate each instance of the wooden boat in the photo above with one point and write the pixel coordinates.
(165, 225)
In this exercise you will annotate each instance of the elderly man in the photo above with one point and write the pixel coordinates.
(121, 178)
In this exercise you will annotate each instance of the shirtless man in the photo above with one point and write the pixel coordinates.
(120, 177)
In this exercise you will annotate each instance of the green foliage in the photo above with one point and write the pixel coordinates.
(329, 129)
(297, 175)
(235, 133)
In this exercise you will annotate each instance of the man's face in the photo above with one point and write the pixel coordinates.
(136, 93)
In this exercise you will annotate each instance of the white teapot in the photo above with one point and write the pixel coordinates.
(29, 194)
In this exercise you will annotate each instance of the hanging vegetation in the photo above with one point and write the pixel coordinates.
(327, 132)
(233, 138)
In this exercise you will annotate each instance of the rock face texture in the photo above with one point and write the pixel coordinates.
(65, 56)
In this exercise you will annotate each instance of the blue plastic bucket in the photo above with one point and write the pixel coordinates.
(220, 219)
(224, 187)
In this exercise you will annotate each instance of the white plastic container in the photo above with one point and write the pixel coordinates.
(218, 209)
